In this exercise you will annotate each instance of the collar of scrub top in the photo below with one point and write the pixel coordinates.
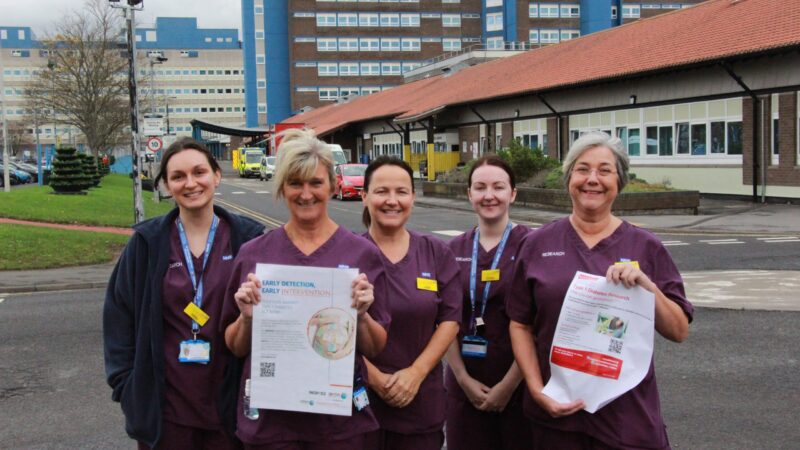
(187, 255)
(473, 273)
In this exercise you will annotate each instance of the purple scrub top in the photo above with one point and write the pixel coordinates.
(344, 248)
(499, 357)
(546, 264)
(415, 314)
(190, 397)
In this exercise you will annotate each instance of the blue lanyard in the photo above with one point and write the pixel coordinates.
(473, 274)
(187, 255)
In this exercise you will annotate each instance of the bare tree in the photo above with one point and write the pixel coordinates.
(85, 80)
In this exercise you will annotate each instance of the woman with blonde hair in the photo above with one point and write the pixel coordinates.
(304, 179)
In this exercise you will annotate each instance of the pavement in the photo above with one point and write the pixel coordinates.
(734, 289)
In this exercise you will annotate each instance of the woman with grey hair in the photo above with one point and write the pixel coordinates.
(304, 179)
(591, 240)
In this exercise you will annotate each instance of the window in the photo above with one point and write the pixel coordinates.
(326, 44)
(451, 44)
(548, 36)
(634, 142)
(348, 69)
(327, 69)
(409, 66)
(369, 90)
(258, 9)
(348, 19)
(390, 20)
(262, 108)
(411, 45)
(346, 91)
(150, 36)
(409, 20)
(3, 34)
(570, 34)
(260, 34)
(260, 59)
(328, 93)
(682, 131)
(698, 139)
(533, 10)
(494, 21)
(495, 43)
(370, 68)
(390, 68)
(652, 141)
(326, 20)
(493, 3)
(451, 20)
(665, 141)
(368, 20)
(533, 36)
(614, 12)
(450, 1)
(369, 44)
(390, 44)
(548, 10)
(734, 138)
(717, 137)
(631, 11)
(348, 44)
(570, 10)
(219, 39)
(21, 35)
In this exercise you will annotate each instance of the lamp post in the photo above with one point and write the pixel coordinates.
(172, 97)
(130, 7)
(6, 165)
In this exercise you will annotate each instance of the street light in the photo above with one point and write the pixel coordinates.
(172, 97)
(6, 165)
(154, 60)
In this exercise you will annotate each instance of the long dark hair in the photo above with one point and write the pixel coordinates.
(178, 146)
(376, 164)
(493, 160)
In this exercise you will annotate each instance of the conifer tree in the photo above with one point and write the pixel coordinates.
(68, 176)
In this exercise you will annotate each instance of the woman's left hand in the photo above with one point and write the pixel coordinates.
(630, 276)
(402, 386)
(498, 397)
(362, 294)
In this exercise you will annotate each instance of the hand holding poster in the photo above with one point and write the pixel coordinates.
(603, 343)
(304, 338)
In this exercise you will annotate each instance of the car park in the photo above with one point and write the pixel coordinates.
(349, 180)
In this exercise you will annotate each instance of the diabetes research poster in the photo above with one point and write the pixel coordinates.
(304, 339)
(603, 342)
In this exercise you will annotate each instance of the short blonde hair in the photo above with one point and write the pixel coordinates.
(298, 155)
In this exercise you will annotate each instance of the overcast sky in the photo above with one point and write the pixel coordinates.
(41, 14)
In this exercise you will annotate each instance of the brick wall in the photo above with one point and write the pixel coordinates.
(786, 172)
(470, 135)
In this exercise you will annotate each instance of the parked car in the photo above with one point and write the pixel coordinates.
(349, 180)
(267, 169)
(12, 175)
(27, 168)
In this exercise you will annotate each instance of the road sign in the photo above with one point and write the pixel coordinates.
(154, 144)
(153, 126)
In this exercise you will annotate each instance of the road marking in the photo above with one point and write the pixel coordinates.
(237, 192)
(675, 244)
(776, 238)
(775, 241)
(217, 193)
(709, 241)
(2, 300)
(269, 221)
(725, 243)
(452, 233)
(262, 192)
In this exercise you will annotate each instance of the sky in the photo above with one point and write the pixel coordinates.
(41, 14)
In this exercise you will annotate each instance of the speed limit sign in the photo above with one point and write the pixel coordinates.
(154, 144)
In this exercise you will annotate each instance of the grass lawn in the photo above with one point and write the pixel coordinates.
(111, 204)
(24, 247)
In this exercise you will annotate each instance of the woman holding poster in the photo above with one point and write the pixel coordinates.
(594, 241)
(406, 378)
(304, 178)
(484, 392)
(165, 356)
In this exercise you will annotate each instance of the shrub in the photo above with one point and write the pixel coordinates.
(68, 176)
(525, 161)
(555, 179)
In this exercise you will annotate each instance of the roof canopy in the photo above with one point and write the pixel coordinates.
(228, 130)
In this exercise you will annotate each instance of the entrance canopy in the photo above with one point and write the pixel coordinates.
(198, 125)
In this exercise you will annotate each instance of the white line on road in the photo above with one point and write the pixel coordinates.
(674, 244)
(773, 238)
(237, 192)
(2, 300)
(725, 243)
(709, 241)
(781, 240)
(217, 193)
(262, 192)
(671, 242)
(449, 232)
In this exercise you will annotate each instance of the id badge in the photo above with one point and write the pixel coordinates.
(360, 398)
(474, 347)
(195, 351)
(490, 275)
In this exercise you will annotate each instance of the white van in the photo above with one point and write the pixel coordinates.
(339, 156)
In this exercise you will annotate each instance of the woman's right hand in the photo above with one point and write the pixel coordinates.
(476, 392)
(248, 295)
(556, 409)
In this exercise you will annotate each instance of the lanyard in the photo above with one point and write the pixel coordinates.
(187, 255)
(473, 273)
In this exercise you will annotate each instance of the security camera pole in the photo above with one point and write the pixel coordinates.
(130, 6)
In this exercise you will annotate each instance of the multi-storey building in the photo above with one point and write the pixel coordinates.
(196, 73)
(308, 53)
(311, 52)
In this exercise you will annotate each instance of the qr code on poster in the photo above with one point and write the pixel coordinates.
(267, 369)
(614, 346)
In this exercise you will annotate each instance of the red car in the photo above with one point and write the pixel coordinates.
(349, 180)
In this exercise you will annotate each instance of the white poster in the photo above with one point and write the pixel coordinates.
(603, 342)
(304, 338)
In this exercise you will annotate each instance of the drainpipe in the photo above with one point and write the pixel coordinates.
(559, 119)
(755, 98)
